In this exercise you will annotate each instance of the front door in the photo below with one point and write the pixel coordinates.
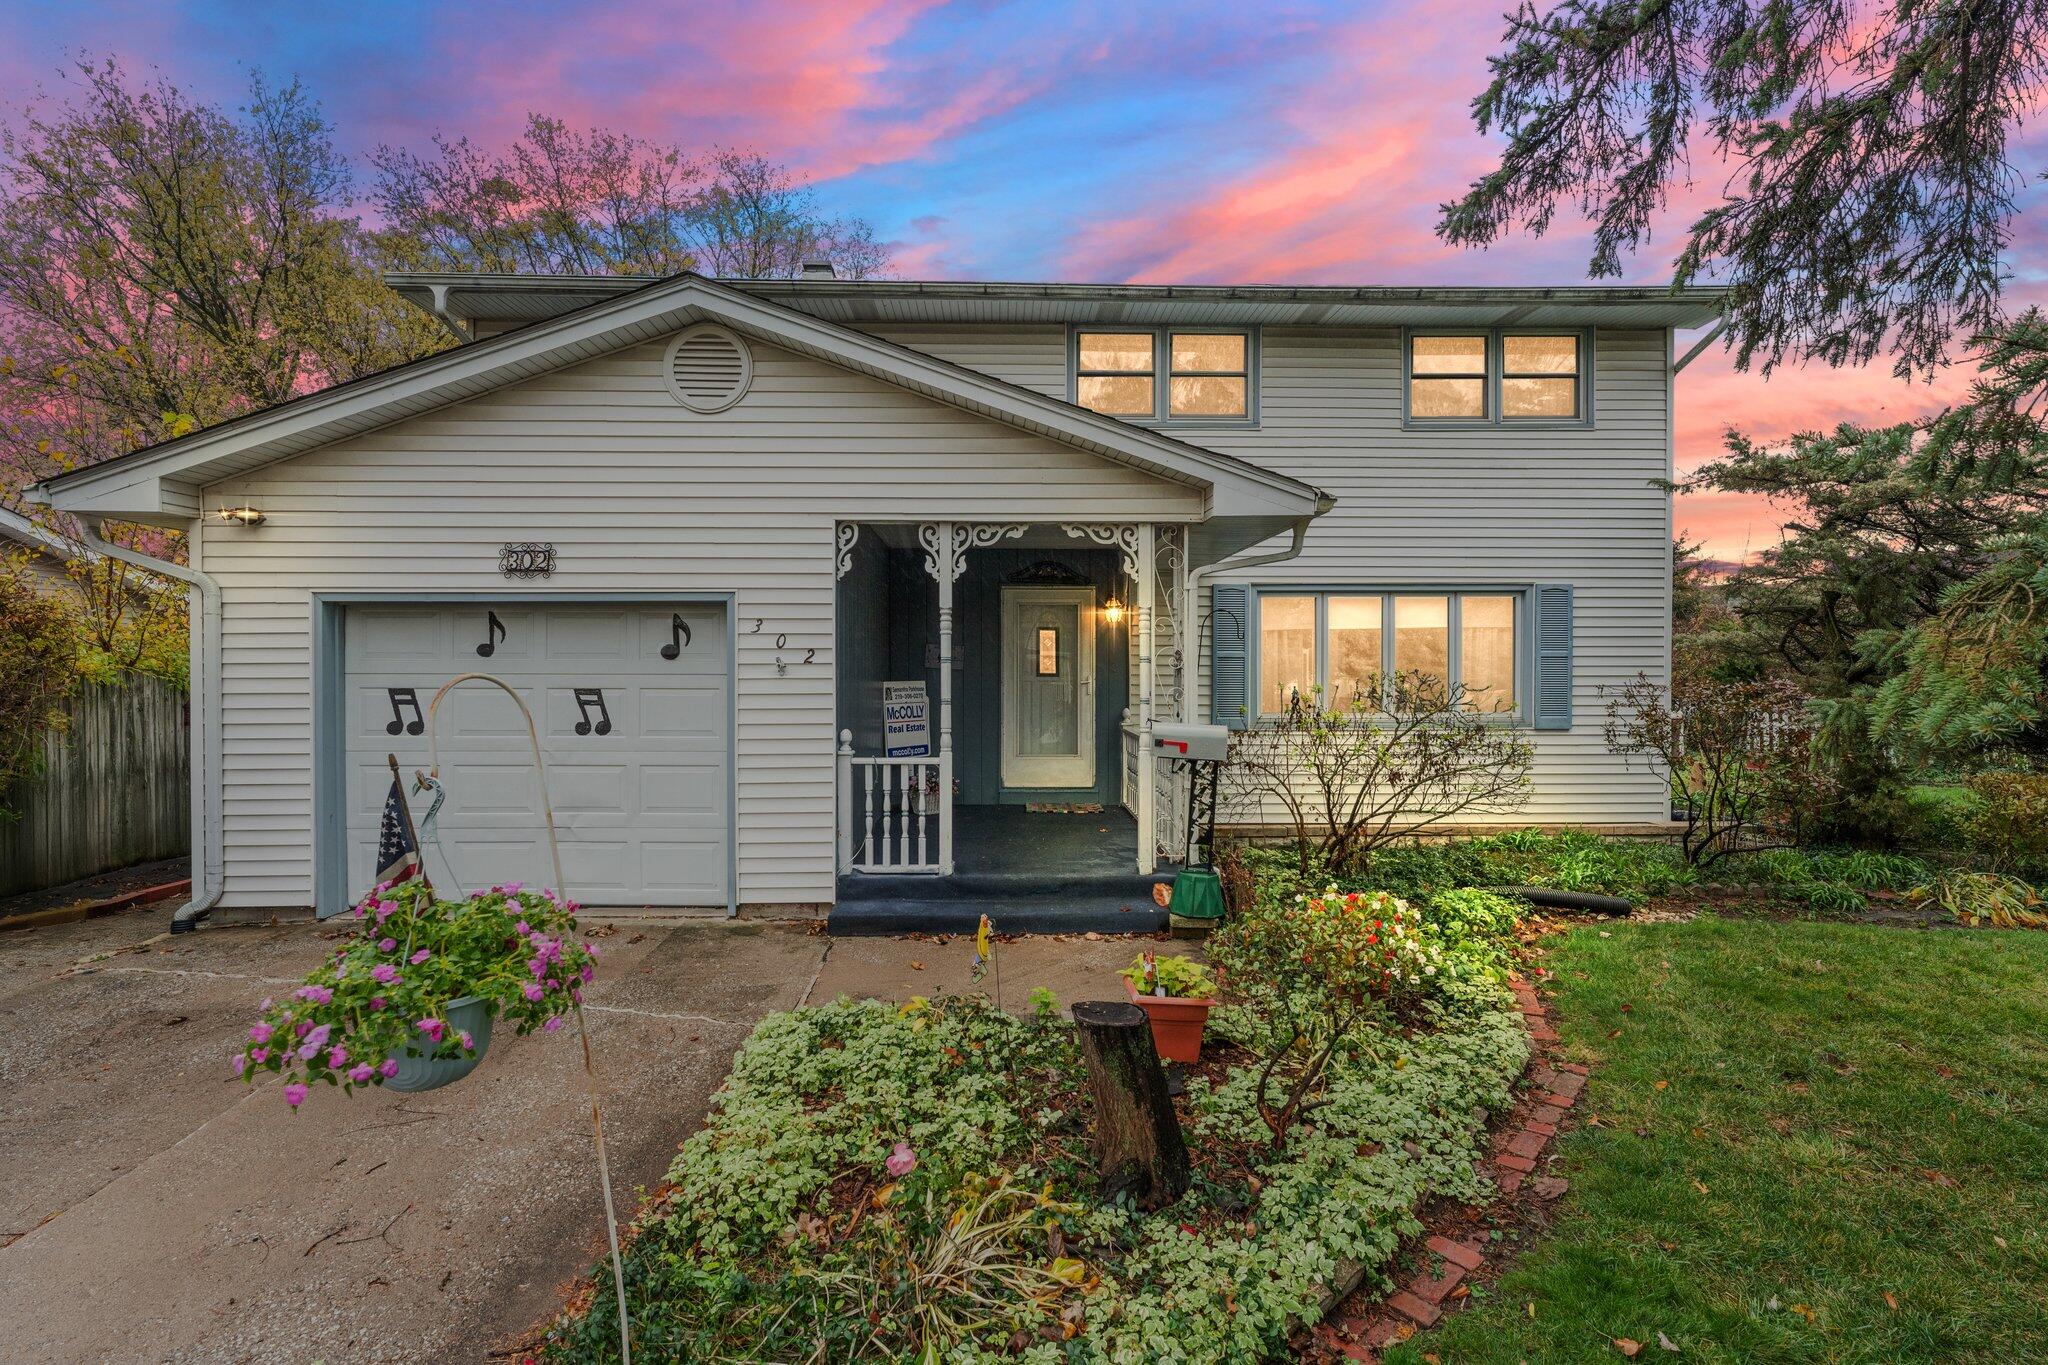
(1049, 687)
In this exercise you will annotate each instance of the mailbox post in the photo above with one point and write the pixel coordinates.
(1197, 898)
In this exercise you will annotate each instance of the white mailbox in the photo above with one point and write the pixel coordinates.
(1194, 742)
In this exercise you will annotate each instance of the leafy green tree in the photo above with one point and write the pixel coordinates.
(38, 653)
(1871, 188)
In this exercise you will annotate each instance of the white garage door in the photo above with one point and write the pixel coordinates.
(634, 714)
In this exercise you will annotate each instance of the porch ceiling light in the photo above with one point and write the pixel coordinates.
(1113, 612)
(244, 515)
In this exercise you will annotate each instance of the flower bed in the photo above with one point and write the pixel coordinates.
(914, 1182)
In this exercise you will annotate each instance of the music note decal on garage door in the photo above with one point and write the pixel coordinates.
(402, 697)
(494, 631)
(587, 697)
(678, 636)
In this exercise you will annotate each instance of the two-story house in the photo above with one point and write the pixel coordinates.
(816, 586)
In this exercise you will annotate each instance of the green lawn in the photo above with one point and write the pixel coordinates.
(1866, 1110)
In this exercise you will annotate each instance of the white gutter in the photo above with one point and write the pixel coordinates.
(1196, 578)
(1701, 345)
(208, 842)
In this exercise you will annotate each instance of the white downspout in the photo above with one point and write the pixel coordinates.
(1195, 579)
(208, 842)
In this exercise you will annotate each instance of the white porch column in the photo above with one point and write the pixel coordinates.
(1143, 615)
(946, 570)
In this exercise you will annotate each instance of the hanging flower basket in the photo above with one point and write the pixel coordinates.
(421, 1070)
(408, 1002)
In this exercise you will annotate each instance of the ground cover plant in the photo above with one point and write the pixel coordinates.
(913, 1182)
(1814, 1142)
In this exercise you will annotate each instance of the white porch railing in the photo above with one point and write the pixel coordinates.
(893, 812)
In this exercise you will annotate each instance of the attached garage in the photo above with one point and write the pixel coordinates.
(634, 707)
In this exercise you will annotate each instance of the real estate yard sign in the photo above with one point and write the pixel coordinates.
(906, 720)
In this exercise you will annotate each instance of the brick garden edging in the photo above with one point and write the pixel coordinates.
(1359, 1327)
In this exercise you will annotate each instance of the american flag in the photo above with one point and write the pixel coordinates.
(398, 858)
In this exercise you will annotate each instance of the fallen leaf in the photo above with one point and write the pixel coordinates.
(2000, 1240)
(1628, 1346)
(1946, 1073)
(1162, 894)
(1803, 1311)
(1771, 1305)
(1783, 1126)
(1947, 1182)
(1700, 1185)
(1667, 1343)
(917, 966)
(1891, 1300)
(1532, 1308)
(1661, 1085)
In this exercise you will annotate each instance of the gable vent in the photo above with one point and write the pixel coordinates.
(708, 369)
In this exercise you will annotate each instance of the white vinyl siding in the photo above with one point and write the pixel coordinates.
(639, 496)
(1480, 505)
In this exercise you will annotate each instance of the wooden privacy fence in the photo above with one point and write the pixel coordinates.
(115, 788)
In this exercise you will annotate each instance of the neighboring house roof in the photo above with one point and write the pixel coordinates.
(20, 530)
(516, 300)
(161, 481)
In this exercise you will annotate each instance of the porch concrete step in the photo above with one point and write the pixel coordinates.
(1012, 914)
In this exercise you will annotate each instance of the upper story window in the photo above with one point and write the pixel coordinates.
(1496, 377)
(1166, 374)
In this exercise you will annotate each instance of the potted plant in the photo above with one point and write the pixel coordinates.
(1176, 994)
(408, 1002)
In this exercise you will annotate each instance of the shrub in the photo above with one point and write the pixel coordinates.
(1985, 898)
(2009, 826)
(1569, 861)
(1739, 756)
(1354, 775)
(1470, 912)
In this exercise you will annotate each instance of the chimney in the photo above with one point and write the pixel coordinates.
(818, 270)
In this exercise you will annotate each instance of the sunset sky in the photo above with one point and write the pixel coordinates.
(1183, 143)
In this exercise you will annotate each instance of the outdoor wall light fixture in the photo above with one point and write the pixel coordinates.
(1113, 612)
(244, 515)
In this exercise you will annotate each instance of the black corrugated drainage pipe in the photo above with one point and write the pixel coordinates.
(1567, 900)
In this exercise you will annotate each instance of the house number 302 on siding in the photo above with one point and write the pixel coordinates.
(782, 643)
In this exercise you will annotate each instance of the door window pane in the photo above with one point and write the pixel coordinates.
(1422, 637)
(1287, 651)
(1486, 658)
(1356, 630)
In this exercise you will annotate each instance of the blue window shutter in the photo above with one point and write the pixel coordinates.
(1229, 619)
(1553, 656)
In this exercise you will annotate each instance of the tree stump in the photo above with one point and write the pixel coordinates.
(1138, 1145)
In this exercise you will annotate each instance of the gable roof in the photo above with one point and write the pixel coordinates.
(163, 480)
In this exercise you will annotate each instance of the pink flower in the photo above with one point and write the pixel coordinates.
(362, 909)
(513, 888)
(902, 1161)
(264, 1006)
(421, 956)
(259, 1055)
(376, 1002)
(295, 1094)
(241, 1065)
(536, 966)
(385, 945)
(361, 1072)
(260, 1032)
(318, 1037)
(468, 1043)
(337, 1056)
(591, 948)
(390, 1067)
(588, 971)
(319, 995)
(385, 910)
(552, 1024)
(385, 973)
(521, 929)
(432, 1028)
(305, 1027)
(533, 991)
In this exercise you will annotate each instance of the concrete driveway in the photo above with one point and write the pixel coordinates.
(157, 1210)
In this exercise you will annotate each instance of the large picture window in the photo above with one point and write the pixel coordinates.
(1348, 643)
(1207, 375)
(1496, 377)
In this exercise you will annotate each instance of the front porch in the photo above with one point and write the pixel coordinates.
(997, 685)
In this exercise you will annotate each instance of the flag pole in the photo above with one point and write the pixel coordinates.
(405, 809)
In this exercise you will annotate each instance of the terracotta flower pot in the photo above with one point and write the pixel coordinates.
(1178, 1022)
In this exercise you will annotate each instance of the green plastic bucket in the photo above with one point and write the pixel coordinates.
(1197, 897)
